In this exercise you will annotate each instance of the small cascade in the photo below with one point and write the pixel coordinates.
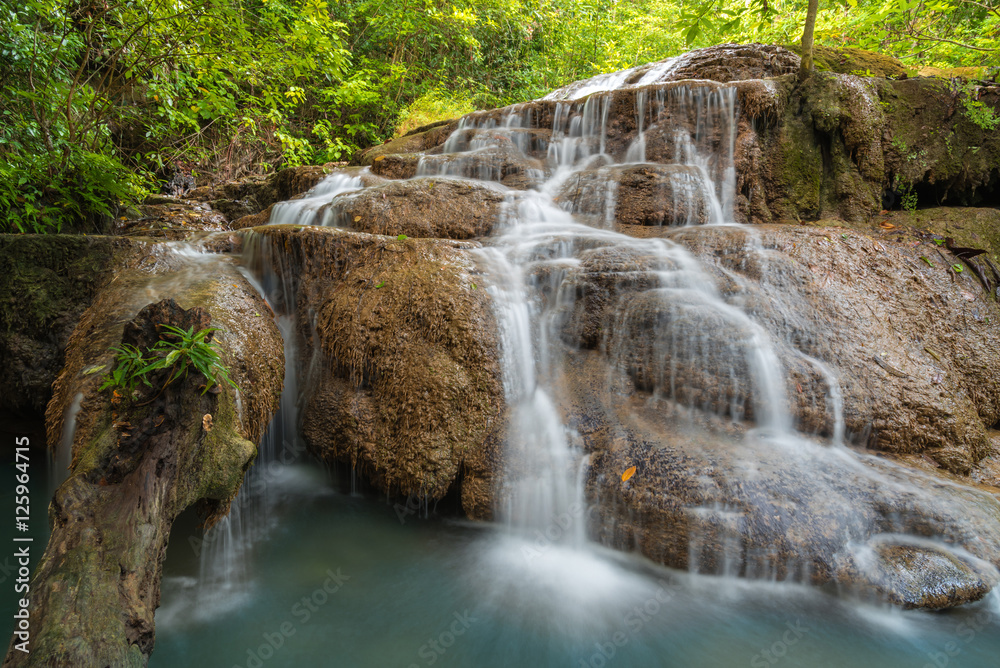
(312, 209)
(545, 487)
(62, 458)
(711, 147)
(834, 398)
(637, 150)
(675, 331)
(533, 266)
(225, 578)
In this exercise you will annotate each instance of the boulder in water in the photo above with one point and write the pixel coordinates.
(911, 575)
(408, 390)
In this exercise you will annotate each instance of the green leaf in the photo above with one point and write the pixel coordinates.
(692, 34)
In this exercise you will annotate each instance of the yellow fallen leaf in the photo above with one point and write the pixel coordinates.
(357, 218)
(381, 157)
(629, 472)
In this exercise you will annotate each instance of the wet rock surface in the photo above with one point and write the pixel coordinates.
(919, 576)
(423, 207)
(172, 220)
(910, 340)
(657, 378)
(409, 392)
(648, 194)
(710, 497)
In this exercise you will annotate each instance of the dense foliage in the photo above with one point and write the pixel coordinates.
(104, 99)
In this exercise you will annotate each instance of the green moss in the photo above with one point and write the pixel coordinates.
(45, 277)
(801, 165)
(220, 458)
(936, 144)
(847, 60)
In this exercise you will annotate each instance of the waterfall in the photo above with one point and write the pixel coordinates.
(531, 265)
(224, 573)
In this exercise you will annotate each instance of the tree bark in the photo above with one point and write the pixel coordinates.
(807, 38)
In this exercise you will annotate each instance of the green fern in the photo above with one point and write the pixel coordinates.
(189, 350)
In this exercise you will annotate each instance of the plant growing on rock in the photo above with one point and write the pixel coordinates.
(984, 117)
(189, 349)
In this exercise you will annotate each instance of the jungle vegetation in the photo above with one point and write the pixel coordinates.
(103, 100)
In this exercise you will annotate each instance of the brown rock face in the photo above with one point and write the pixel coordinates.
(647, 194)
(423, 207)
(138, 460)
(910, 340)
(410, 391)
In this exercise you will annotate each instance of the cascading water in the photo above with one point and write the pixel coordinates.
(684, 334)
(532, 261)
(62, 458)
(679, 336)
(225, 578)
(316, 203)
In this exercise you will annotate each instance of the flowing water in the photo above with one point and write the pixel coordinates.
(303, 573)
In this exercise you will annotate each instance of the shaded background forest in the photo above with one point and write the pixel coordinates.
(104, 101)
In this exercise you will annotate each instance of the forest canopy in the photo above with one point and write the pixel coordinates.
(103, 100)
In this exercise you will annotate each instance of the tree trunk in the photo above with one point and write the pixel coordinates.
(807, 38)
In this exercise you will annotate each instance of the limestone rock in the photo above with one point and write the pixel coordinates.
(918, 576)
(424, 207)
(410, 392)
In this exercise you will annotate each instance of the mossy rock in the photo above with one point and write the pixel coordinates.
(847, 60)
(139, 460)
(419, 140)
(954, 72)
(47, 282)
